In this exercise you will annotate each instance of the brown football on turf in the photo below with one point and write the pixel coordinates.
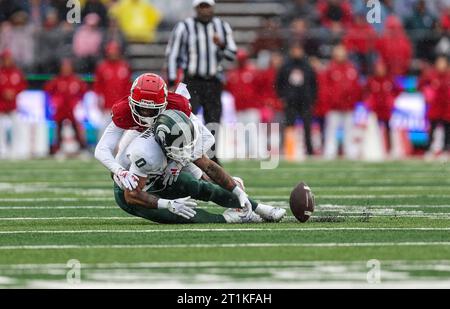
(302, 202)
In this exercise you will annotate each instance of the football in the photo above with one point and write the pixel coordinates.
(302, 202)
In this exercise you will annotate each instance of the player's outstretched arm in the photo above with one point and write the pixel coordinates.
(104, 152)
(183, 207)
(223, 179)
(216, 173)
(140, 197)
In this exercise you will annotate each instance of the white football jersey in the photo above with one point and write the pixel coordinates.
(145, 158)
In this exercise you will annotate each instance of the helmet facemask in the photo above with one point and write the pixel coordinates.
(145, 112)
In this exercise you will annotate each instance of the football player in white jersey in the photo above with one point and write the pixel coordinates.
(173, 139)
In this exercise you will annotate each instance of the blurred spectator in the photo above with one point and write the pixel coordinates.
(300, 9)
(296, 85)
(38, 10)
(445, 19)
(265, 83)
(138, 19)
(68, 32)
(8, 8)
(49, 44)
(114, 34)
(12, 82)
(360, 42)
(395, 48)
(435, 85)
(420, 26)
(443, 45)
(333, 12)
(61, 7)
(18, 37)
(112, 80)
(299, 32)
(343, 80)
(381, 92)
(66, 91)
(240, 82)
(269, 37)
(97, 7)
(87, 43)
(321, 107)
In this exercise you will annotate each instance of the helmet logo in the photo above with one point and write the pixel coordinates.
(161, 133)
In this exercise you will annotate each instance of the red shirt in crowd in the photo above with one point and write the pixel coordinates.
(65, 92)
(325, 10)
(12, 82)
(381, 92)
(112, 81)
(321, 106)
(436, 88)
(360, 38)
(344, 90)
(395, 48)
(241, 84)
(267, 94)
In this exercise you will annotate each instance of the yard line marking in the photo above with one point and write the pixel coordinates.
(55, 207)
(243, 245)
(104, 198)
(319, 216)
(319, 207)
(218, 264)
(201, 230)
(57, 199)
(357, 197)
(68, 218)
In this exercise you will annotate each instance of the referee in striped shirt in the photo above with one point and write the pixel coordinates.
(197, 47)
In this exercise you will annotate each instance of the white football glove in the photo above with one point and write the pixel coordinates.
(183, 207)
(126, 180)
(243, 200)
(171, 173)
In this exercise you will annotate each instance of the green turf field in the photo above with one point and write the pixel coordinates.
(397, 214)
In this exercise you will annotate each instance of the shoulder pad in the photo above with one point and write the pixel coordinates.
(179, 103)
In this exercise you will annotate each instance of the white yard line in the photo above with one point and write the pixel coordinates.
(319, 207)
(357, 197)
(55, 207)
(430, 264)
(242, 245)
(67, 218)
(57, 199)
(226, 230)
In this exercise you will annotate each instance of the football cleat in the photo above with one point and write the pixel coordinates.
(235, 216)
(269, 213)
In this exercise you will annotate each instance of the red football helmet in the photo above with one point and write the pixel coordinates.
(148, 99)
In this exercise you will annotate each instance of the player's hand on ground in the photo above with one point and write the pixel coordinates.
(243, 200)
(126, 180)
(183, 207)
(171, 173)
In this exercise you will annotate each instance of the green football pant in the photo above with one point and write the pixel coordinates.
(186, 185)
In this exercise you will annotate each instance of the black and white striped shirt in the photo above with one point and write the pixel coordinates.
(191, 48)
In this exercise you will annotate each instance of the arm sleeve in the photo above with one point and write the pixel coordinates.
(104, 152)
(230, 48)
